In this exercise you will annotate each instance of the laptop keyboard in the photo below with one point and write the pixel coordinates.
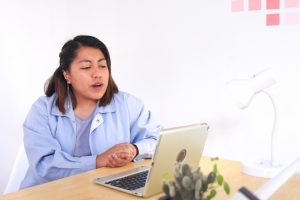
(131, 182)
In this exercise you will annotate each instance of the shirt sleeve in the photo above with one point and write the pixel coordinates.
(47, 160)
(144, 130)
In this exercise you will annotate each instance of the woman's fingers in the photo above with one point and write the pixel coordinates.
(119, 159)
(117, 156)
(123, 148)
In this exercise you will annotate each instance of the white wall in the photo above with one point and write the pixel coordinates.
(174, 55)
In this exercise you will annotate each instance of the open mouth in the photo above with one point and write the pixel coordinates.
(97, 85)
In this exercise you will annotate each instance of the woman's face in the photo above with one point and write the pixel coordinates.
(88, 74)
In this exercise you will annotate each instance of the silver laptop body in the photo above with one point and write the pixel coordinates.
(176, 144)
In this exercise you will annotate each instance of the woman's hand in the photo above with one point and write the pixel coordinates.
(117, 156)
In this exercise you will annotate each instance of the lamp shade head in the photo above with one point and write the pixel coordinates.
(243, 90)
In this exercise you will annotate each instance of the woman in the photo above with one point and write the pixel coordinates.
(84, 122)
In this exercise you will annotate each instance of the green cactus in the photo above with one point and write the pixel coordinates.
(191, 184)
(185, 169)
(187, 183)
(166, 188)
(172, 189)
(177, 171)
(198, 187)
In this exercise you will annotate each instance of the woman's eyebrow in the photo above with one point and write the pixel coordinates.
(89, 61)
(85, 60)
(101, 59)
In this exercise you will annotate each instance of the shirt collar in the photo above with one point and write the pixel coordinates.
(110, 108)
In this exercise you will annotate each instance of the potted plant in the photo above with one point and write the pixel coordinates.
(190, 184)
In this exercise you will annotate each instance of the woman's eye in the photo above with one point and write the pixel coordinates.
(85, 67)
(102, 66)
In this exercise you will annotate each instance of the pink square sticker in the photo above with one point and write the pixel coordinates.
(291, 3)
(291, 18)
(273, 4)
(254, 5)
(272, 19)
(237, 5)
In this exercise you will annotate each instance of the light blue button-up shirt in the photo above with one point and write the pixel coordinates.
(50, 136)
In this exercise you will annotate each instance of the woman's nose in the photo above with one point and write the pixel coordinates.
(96, 72)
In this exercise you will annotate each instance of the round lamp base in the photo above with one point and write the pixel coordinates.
(261, 169)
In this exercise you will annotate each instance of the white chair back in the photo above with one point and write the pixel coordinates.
(18, 172)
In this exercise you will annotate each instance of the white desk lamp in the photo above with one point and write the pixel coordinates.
(243, 92)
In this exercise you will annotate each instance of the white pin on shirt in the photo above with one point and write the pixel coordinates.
(97, 121)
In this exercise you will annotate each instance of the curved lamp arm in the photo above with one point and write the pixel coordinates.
(243, 91)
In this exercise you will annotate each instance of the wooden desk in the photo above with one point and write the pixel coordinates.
(81, 186)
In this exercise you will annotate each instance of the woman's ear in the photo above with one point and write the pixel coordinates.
(67, 76)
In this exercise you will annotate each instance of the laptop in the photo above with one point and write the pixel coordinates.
(180, 144)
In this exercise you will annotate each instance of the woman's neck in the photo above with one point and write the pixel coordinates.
(84, 108)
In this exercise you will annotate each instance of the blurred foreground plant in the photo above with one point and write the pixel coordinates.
(190, 184)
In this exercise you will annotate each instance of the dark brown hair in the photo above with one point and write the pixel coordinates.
(57, 83)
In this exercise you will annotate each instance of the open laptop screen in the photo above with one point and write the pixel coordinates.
(184, 144)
